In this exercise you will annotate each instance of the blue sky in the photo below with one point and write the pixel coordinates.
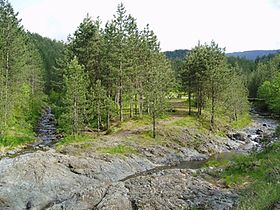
(237, 25)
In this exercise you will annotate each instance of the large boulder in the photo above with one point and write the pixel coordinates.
(42, 180)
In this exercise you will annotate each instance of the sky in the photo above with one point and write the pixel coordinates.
(238, 25)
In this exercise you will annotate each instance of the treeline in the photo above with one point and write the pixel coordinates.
(22, 78)
(261, 79)
(268, 74)
(213, 84)
(51, 51)
(21, 81)
(111, 72)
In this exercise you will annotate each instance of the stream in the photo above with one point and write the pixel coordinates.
(251, 138)
(46, 136)
(46, 129)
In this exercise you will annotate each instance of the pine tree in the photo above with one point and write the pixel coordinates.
(75, 97)
(158, 84)
(98, 103)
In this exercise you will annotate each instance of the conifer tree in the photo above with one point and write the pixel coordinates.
(158, 84)
(75, 97)
(98, 102)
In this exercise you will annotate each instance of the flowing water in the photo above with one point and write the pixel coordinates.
(46, 129)
(46, 135)
(254, 133)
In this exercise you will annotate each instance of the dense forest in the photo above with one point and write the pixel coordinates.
(107, 74)
(23, 75)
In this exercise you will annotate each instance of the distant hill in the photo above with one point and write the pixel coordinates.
(176, 54)
(251, 55)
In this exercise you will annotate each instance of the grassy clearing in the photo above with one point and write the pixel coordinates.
(117, 150)
(145, 139)
(258, 177)
(75, 139)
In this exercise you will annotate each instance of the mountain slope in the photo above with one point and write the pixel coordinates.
(251, 55)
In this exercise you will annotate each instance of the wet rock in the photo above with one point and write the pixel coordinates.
(29, 205)
(240, 136)
(259, 131)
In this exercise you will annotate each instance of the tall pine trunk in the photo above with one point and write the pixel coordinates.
(154, 125)
(98, 119)
(190, 102)
(212, 122)
(120, 96)
(6, 88)
(135, 105)
(75, 129)
(141, 106)
(130, 107)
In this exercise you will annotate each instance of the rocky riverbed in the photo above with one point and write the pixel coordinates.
(52, 180)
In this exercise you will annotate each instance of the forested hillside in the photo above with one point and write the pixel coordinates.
(23, 77)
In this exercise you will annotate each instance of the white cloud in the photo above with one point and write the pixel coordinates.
(235, 24)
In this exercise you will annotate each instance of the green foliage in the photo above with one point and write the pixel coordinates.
(50, 51)
(277, 131)
(207, 78)
(21, 80)
(243, 121)
(270, 92)
(258, 175)
(13, 141)
(260, 196)
(123, 70)
(75, 101)
(266, 70)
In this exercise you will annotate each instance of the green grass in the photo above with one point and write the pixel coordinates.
(242, 122)
(75, 139)
(257, 176)
(14, 141)
(186, 121)
(145, 138)
(16, 136)
(277, 131)
(117, 150)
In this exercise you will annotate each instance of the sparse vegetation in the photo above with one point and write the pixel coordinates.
(75, 139)
(117, 150)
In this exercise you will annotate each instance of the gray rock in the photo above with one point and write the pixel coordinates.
(240, 136)
(43, 180)
(177, 189)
